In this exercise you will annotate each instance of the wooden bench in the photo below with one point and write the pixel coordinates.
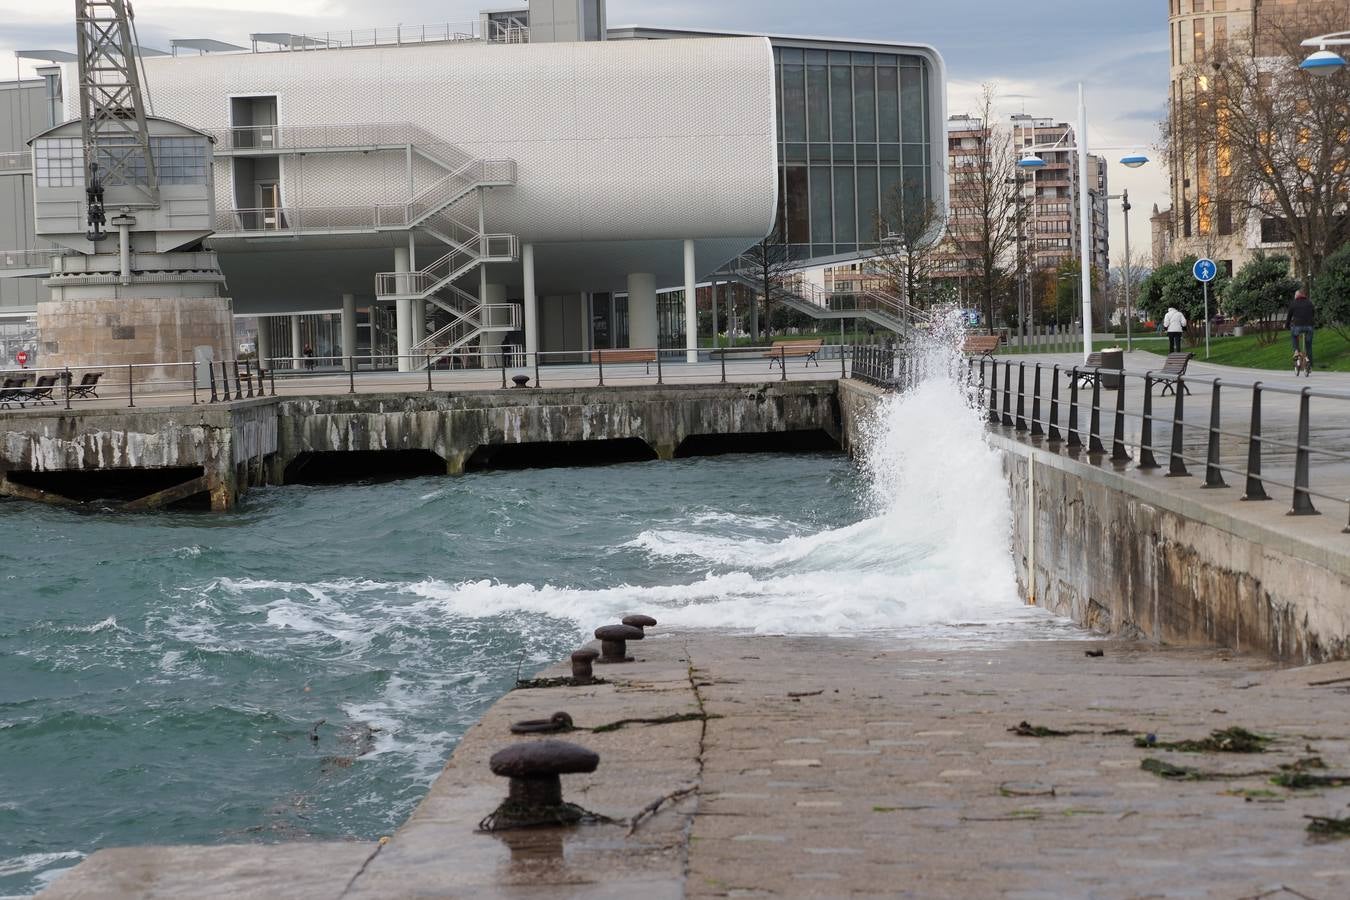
(980, 344)
(1174, 368)
(624, 355)
(781, 350)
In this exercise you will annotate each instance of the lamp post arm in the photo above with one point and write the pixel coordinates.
(1336, 39)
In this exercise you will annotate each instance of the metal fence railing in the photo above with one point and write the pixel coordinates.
(1278, 442)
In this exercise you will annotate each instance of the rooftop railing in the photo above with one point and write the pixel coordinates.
(394, 36)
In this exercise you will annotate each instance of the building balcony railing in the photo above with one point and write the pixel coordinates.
(347, 136)
(310, 219)
(28, 259)
(394, 36)
(16, 161)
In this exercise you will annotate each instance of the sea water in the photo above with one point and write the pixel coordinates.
(302, 666)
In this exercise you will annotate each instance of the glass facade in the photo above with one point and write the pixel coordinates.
(59, 162)
(854, 132)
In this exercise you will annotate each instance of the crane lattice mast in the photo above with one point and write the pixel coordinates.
(112, 109)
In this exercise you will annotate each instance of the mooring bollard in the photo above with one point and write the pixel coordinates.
(581, 665)
(639, 622)
(535, 796)
(554, 724)
(614, 642)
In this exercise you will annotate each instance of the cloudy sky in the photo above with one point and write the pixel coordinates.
(1035, 50)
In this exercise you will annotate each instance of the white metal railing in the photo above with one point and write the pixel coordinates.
(469, 177)
(28, 259)
(448, 268)
(16, 161)
(295, 138)
(314, 219)
(398, 36)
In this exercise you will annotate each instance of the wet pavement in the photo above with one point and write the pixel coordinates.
(875, 765)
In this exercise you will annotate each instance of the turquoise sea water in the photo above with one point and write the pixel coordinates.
(304, 665)
(160, 675)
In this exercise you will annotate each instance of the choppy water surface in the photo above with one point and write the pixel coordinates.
(161, 676)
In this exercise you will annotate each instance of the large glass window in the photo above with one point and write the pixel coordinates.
(841, 101)
(818, 100)
(794, 103)
(798, 209)
(888, 104)
(865, 104)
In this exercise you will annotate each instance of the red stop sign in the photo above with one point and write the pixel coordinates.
(22, 358)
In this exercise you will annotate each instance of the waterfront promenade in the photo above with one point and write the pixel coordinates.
(867, 766)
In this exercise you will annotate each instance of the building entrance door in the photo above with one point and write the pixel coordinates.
(269, 206)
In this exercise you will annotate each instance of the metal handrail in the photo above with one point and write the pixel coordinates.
(398, 36)
(338, 136)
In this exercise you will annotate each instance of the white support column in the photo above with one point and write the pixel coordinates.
(531, 302)
(264, 342)
(348, 330)
(716, 288)
(1084, 223)
(492, 341)
(297, 360)
(642, 328)
(690, 304)
(403, 310)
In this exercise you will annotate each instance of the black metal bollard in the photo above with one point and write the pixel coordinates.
(1303, 505)
(248, 378)
(1213, 473)
(1176, 464)
(351, 375)
(1036, 429)
(1007, 418)
(581, 665)
(1118, 451)
(1256, 490)
(993, 393)
(1095, 423)
(535, 796)
(211, 376)
(1074, 440)
(1146, 460)
(600, 362)
(1054, 435)
(131, 391)
(1021, 420)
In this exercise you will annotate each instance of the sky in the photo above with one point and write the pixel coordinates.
(1035, 51)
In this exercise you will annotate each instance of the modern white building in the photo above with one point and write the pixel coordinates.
(534, 179)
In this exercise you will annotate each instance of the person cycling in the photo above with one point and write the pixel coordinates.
(1301, 320)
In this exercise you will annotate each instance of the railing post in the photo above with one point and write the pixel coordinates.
(503, 368)
(69, 376)
(1118, 451)
(248, 377)
(1021, 421)
(351, 374)
(843, 368)
(660, 376)
(724, 363)
(224, 383)
(536, 368)
(1176, 464)
(1303, 505)
(782, 361)
(1074, 440)
(993, 393)
(1146, 458)
(1256, 490)
(1095, 423)
(1007, 418)
(211, 377)
(272, 377)
(1214, 474)
(428, 372)
(600, 361)
(1036, 429)
(1054, 435)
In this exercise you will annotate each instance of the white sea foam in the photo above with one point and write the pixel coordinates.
(33, 862)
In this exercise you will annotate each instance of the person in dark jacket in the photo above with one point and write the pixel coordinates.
(1301, 320)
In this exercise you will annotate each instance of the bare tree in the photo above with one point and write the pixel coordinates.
(908, 234)
(1267, 141)
(983, 220)
(766, 266)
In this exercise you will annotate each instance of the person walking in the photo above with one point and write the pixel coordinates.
(1175, 323)
(1301, 321)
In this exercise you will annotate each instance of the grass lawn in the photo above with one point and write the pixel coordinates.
(1330, 351)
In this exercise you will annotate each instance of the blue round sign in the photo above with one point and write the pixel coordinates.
(1205, 270)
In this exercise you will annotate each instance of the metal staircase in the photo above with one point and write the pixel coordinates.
(879, 307)
(443, 210)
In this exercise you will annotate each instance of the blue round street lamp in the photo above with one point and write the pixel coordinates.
(1031, 161)
(1134, 160)
(1323, 62)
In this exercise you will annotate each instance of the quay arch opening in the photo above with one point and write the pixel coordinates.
(814, 440)
(117, 486)
(559, 454)
(345, 467)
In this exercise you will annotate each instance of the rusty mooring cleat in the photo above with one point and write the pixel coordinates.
(613, 642)
(558, 722)
(535, 797)
(581, 665)
(639, 621)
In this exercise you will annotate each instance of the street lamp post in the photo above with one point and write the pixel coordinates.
(1031, 161)
(1124, 198)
